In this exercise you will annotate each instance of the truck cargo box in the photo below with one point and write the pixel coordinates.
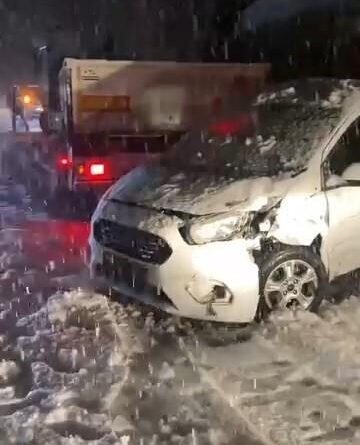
(128, 97)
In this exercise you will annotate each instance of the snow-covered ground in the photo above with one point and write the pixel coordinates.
(77, 367)
(296, 379)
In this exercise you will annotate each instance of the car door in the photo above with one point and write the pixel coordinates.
(341, 173)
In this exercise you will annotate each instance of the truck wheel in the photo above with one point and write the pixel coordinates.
(86, 203)
(60, 204)
(291, 278)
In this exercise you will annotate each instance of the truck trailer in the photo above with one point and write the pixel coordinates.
(115, 115)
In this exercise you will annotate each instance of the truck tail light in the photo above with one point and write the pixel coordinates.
(95, 170)
(63, 163)
(242, 125)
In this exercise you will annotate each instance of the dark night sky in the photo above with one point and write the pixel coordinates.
(23, 23)
(157, 29)
(142, 29)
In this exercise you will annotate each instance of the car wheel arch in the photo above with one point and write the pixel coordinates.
(315, 243)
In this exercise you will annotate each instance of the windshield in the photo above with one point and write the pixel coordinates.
(265, 141)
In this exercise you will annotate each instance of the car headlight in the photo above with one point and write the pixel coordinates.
(217, 228)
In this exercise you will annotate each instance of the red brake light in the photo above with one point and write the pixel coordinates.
(243, 124)
(63, 162)
(97, 169)
(94, 170)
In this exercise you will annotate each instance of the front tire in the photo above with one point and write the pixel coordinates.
(291, 277)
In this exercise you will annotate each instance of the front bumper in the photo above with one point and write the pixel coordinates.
(185, 282)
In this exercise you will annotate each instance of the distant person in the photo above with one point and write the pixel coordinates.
(20, 109)
(16, 105)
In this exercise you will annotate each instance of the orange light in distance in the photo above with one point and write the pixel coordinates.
(27, 99)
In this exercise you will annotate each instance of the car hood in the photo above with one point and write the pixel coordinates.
(197, 194)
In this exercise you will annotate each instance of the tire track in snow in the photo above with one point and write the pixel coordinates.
(167, 376)
(302, 386)
(218, 392)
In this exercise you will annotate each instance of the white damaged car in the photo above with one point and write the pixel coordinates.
(259, 212)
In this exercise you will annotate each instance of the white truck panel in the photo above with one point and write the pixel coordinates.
(162, 96)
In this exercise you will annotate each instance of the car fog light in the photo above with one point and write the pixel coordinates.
(209, 291)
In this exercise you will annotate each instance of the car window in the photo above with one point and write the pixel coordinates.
(343, 163)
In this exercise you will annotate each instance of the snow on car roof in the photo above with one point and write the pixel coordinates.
(291, 121)
(326, 92)
(311, 108)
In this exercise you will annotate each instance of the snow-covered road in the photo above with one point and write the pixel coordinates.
(79, 368)
(296, 379)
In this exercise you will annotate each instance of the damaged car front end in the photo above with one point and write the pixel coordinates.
(195, 278)
(225, 227)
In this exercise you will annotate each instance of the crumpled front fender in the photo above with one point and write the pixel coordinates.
(299, 220)
(302, 233)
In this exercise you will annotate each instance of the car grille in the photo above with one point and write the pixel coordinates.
(134, 243)
(131, 275)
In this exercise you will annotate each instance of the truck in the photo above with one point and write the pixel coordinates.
(114, 115)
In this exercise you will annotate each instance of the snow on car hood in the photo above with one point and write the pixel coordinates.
(208, 173)
(151, 187)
